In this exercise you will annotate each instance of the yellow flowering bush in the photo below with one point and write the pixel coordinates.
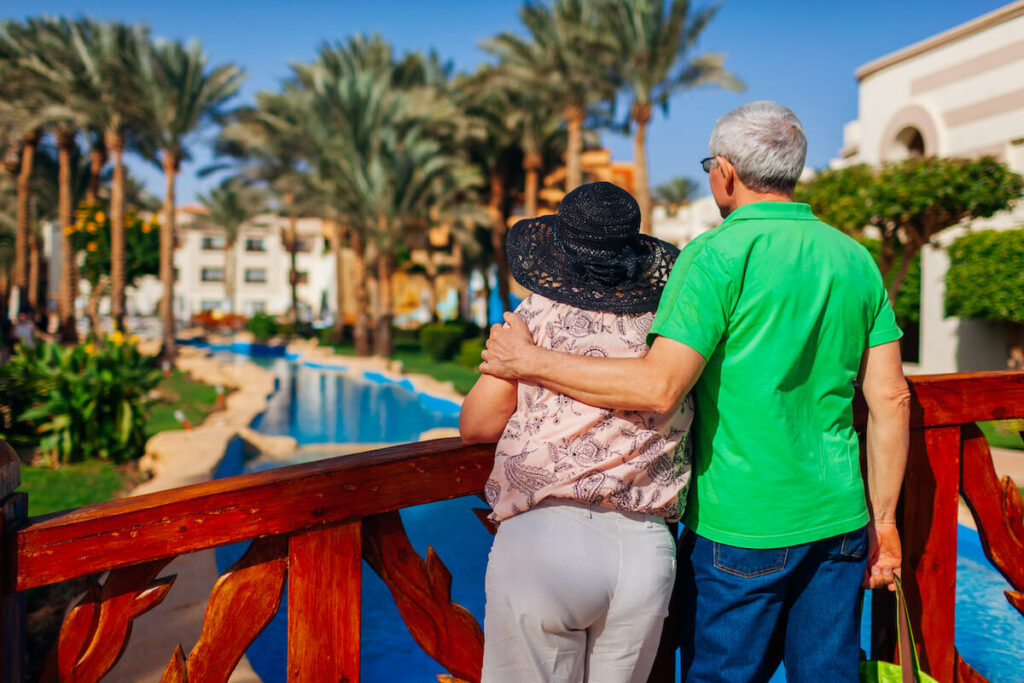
(91, 234)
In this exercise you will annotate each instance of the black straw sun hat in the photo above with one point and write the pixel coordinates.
(591, 254)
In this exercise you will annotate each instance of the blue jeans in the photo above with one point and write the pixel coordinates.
(745, 609)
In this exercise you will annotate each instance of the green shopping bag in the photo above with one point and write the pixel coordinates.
(908, 670)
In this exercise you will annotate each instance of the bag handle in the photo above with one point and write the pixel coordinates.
(909, 666)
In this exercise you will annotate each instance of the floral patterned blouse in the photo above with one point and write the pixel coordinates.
(556, 447)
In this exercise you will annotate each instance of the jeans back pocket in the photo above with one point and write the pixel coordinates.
(749, 563)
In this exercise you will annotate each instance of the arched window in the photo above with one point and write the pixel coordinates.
(908, 144)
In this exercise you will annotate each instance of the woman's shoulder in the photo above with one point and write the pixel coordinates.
(576, 330)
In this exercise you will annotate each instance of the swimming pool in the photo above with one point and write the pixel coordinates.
(317, 404)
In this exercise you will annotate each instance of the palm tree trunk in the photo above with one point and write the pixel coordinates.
(34, 268)
(169, 350)
(361, 323)
(431, 275)
(97, 160)
(115, 143)
(65, 212)
(574, 117)
(499, 226)
(461, 280)
(92, 309)
(641, 114)
(293, 269)
(532, 165)
(289, 200)
(230, 276)
(21, 237)
(337, 243)
(382, 337)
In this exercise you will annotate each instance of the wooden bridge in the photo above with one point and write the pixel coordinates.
(315, 523)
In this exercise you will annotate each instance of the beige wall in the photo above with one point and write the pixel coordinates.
(964, 91)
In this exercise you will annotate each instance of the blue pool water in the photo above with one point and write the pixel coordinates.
(316, 404)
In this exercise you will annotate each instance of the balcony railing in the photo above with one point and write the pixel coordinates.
(302, 529)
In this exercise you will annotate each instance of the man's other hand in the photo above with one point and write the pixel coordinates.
(508, 348)
(885, 556)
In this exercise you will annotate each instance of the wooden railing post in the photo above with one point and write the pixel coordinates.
(324, 588)
(13, 508)
(930, 502)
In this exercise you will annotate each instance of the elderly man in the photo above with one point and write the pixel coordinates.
(769, 319)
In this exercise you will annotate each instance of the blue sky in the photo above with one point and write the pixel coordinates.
(799, 52)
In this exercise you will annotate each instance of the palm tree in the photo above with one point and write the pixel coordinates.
(676, 192)
(229, 206)
(269, 141)
(570, 56)
(180, 95)
(47, 62)
(387, 152)
(109, 55)
(655, 43)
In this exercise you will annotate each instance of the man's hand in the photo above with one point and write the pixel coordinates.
(885, 555)
(508, 348)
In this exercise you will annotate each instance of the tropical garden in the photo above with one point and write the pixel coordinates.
(387, 149)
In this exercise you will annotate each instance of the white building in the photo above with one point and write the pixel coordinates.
(958, 93)
(262, 264)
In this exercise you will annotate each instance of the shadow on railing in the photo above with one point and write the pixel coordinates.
(303, 531)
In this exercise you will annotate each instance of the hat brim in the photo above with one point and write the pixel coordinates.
(538, 263)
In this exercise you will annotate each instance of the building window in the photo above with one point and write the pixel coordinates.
(255, 244)
(258, 307)
(211, 275)
(301, 277)
(213, 242)
(210, 305)
(256, 275)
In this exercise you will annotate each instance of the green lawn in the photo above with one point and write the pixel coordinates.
(1003, 434)
(414, 359)
(70, 486)
(195, 399)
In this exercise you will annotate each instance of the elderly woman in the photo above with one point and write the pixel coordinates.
(582, 566)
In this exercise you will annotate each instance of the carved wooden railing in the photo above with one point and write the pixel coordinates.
(314, 524)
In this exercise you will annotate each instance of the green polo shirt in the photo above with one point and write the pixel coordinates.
(782, 306)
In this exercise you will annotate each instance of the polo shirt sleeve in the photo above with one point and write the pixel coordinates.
(883, 324)
(695, 306)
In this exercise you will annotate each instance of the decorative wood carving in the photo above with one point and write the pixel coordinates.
(175, 672)
(997, 509)
(422, 591)
(325, 574)
(96, 630)
(251, 589)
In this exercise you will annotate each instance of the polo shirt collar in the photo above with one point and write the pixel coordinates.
(773, 211)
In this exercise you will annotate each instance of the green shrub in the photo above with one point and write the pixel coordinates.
(286, 329)
(441, 342)
(468, 328)
(986, 276)
(262, 326)
(469, 352)
(80, 402)
(406, 336)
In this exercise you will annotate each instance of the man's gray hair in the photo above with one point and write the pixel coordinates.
(765, 143)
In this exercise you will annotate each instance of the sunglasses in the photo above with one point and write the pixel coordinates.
(706, 163)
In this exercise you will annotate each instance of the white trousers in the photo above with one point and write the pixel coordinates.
(576, 594)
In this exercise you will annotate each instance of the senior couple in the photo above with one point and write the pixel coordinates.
(639, 385)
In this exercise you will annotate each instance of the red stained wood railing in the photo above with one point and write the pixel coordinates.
(313, 524)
